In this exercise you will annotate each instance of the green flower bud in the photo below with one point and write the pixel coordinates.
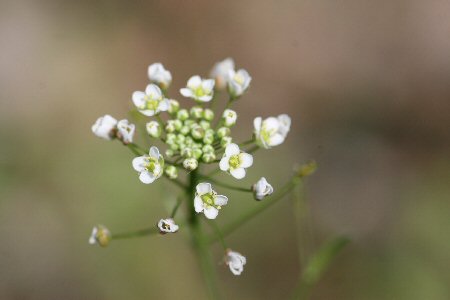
(209, 157)
(205, 124)
(153, 129)
(170, 126)
(174, 106)
(170, 153)
(225, 141)
(185, 130)
(307, 169)
(196, 112)
(186, 152)
(171, 138)
(100, 235)
(174, 146)
(171, 172)
(182, 114)
(208, 114)
(209, 138)
(197, 132)
(190, 164)
(180, 138)
(188, 141)
(208, 149)
(178, 124)
(189, 122)
(197, 153)
(223, 131)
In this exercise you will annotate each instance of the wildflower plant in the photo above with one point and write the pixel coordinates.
(197, 143)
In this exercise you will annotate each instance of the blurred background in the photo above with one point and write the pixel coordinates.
(365, 82)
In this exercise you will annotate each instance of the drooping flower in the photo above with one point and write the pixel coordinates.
(167, 226)
(151, 102)
(125, 131)
(235, 162)
(105, 127)
(229, 117)
(220, 72)
(199, 89)
(262, 189)
(238, 82)
(159, 75)
(235, 262)
(272, 131)
(150, 167)
(100, 235)
(207, 201)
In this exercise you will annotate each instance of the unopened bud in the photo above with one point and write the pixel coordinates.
(225, 141)
(100, 235)
(208, 114)
(153, 129)
(190, 164)
(171, 172)
(196, 112)
(174, 106)
(223, 131)
(182, 114)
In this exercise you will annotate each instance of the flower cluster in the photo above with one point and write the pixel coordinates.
(194, 136)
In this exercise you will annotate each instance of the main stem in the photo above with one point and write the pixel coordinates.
(199, 241)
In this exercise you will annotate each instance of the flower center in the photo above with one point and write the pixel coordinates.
(150, 103)
(199, 92)
(208, 199)
(239, 79)
(235, 161)
(165, 226)
(153, 166)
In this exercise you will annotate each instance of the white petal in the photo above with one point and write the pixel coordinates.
(147, 112)
(146, 177)
(224, 163)
(194, 82)
(138, 98)
(198, 204)
(139, 163)
(221, 200)
(211, 212)
(186, 92)
(276, 140)
(246, 160)
(238, 173)
(164, 105)
(232, 149)
(208, 84)
(153, 91)
(154, 152)
(204, 188)
(271, 124)
(257, 124)
(205, 98)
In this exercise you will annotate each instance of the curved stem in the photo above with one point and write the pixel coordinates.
(216, 229)
(133, 234)
(177, 205)
(228, 186)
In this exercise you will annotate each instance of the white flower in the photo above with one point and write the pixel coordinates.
(262, 188)
(220, 72)
(125, 131)
(153, 129)
(167, 226)
(150, 102)
(229, 117)
(207, 201)
(150, 167)
(238, 82)
(105, 127)
(199, 89)
(100, 235)
(235, 162)
(272, 131)
(235, 262)
(159, 75)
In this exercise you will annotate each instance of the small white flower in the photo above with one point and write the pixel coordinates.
(167, 226)
(272, 131)
(150, 167)
(235, 162)
(153, 129)
(235, 262)
(125, 131)
(262, 188)
(150, 102)
(159, 75)
(105, 127)
(199, 89)
(220, 72)
(238, 82)
(229, 117)
(207, 201)
(100, 235)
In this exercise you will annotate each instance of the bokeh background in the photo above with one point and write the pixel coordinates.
(365, 82)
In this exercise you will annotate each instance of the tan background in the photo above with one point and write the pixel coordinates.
(367, 86)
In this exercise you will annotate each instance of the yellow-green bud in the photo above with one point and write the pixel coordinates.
(170, 126)
(190, 164)
(208, 149)
(171, 172)
(196, 112)
(307, 169)
(153, 129)
(182, 114)
(197, 132)
(171, 138)
(178, 124)
(223, 131)
(209, 157)
(205, 124)
(186, 152)
(100, 235)
(197, 153)
(185, 130)
(208, 114)
(180, 138)
(225, 141)
(174, 106)
(189, 122)
(170, 153)
(209, 138)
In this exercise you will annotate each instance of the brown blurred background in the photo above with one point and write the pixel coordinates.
(367, 86)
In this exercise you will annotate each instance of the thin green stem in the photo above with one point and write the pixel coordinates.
(138, 151)
(252, 149)
(177, 205)
(218, 233)
(246, 143)
(177, 182)
(228, 186)
(244, 218)
(134, 234)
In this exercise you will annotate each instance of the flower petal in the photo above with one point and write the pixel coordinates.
(204, 188)
(153, 91)
(139, 163)
(194, 82)
(164, 105)
(238, 173)
(232, 149)
(257, 124)
(138, 98)
(208, 84)
(246, 160)
(146, 177)
(221, 200)
(211, 212)
(224, 163)
(154, 152)
(186, 92)
(198, 204)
